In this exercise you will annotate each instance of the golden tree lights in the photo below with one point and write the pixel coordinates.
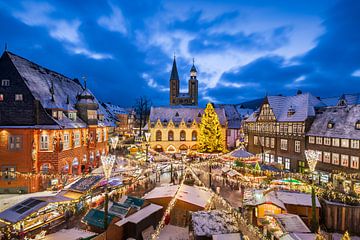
(211, 138)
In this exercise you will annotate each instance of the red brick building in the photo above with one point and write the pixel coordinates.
(50, 126)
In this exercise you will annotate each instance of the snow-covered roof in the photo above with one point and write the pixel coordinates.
(216, 222)
(140, 214)
(304, 106)
(298, 236)
(69, 234)
(190, 194)
(179, 113)
(281, 198)
(52, 89)
(241, 153)
(232, 115)
(344, 120)
(171, 232)
(228, 236)
(291, 223)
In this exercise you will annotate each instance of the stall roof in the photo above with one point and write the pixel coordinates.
(241, 153)
(85, 184)
(291, 223)
(22, 210)
(298, 236)
(216, 222)
(190, 194)
(95, 217)
(229, 236)
(170, 232)
(140, 214)
(69, 234)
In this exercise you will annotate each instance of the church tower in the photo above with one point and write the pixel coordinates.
(189, 98)
(193, 85)
(174, 84)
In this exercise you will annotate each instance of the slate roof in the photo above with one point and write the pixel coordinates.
(232, 115)
(177, 113)
(303, 104)
(174, 72)
(344, 119)
(42, 82)
(350, 99)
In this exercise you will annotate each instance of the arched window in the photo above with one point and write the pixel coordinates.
(194, 136)
(158, 135)
(170, 136)
(182, 135)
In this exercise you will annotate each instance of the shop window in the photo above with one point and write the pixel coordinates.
(8, 173)
(98, 136)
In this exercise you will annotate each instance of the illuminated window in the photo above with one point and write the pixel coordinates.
(357, 125)
(354, 162)
(283, 144)
(355, 144)
(335, 159)
(104, 134)
(327, 141)
(311, 139)
(44, 142)
(170, 136)
(66, 143)
(182, 135)
(326, 157)
(336, 142)
(18, 97)
(1, 97)
(319, 140)
(77, 139)
(194, 136)
(92, 114)
(15, 142)
(287, 163)
(345, 160)
(345, 143)
(9, 172)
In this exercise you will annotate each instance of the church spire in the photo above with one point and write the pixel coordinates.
(174, 71)
(193, 68)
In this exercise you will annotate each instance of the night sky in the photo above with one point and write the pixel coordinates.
(242, 49)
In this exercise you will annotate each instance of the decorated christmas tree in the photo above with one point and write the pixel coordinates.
(346, 236)
(211, 139)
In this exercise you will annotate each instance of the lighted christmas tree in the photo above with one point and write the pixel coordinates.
(211, 139)
(346, 236)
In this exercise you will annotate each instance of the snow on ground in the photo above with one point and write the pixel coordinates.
(69, 234)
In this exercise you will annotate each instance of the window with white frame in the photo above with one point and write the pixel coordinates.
(311, 139)
(345, 143)
(327, 141)
(15, 142)
(319, 140)
(18, 97)
(326, 157)
(287, 163)
(297, 146)
(280, 160)
(5, 82)
(272, 142)
(104, 134)
(283, 144)
(66, 143)
(344, 160)
(354, 162)
(336, 142)
(98, 135)
(44, 142)
(77, 139)
(256, 140)
(355, 144)
(335, 159)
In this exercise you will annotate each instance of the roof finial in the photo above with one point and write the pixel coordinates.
(84, 78)
(174, 55)
(193, 61)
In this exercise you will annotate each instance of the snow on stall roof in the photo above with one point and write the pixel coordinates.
(216, 222)
(291, 223)
(344, 119)
(260, 198)
(296, 198)
(70, 234)
(229, 236)
(140, 214)
(177, 113)
(171, 232)
(298, 236)
(190, 194)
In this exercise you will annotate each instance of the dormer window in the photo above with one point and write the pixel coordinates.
(357, 125)
(176, 114)
(92, 114)
(54, 114)
(60, 115)
(5, 82)
(330, 124)
(342, 102)
(18, 97)
(291, 111)
(72, 116)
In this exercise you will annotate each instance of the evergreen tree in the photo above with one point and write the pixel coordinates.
(314, 222)
(346, 236)
(211, 139)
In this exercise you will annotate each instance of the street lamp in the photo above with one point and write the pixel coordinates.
(107, 165)
(147, 139)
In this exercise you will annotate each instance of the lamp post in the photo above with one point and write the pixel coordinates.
(107, 165)
(312, 158)
(147, 139)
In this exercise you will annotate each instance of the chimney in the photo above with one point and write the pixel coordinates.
(299, 92)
